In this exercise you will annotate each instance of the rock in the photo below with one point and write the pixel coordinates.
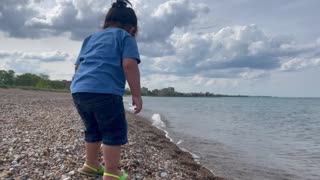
(139, 177)
(164, 174)
(14, 162)
(5, 174)
(23, 178)
(30, 154)
(11, 170)
(64, 177)
(17, 157)
(71, 173)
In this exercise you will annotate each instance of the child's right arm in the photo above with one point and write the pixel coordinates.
(131, 70)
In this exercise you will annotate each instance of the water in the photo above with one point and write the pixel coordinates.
(244, 138)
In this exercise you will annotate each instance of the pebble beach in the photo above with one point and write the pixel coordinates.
(41, 137)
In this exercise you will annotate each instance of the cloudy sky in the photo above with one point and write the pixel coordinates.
(221, 46)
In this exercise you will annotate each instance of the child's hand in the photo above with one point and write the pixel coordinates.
(137, 101)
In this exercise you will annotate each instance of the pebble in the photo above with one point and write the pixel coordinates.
(71, 173)
(5, 174)
(14, 162)
(64, 177)
(164, 174)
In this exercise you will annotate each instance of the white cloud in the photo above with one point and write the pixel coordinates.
(156, 49)
(77, 17)
(168, 16)
(22, 66)
(43, 57)
(80, 18)
(210, 82)
(56, 64)
(300, 63)
(253, 74)
(232, 52)
(190, 83)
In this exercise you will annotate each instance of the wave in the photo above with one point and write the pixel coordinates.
(194, 156)
(180, 141)
(167, 136)
(157, 121)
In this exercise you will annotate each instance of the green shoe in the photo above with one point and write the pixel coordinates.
(95, 172)
(123, 177)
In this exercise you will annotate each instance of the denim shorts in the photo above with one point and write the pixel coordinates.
(103, 116)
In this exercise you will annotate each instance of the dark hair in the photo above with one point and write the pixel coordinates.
(121, 16)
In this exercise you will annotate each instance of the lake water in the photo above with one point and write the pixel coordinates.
(244, 138)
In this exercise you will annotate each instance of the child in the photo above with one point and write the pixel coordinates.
(107, 59)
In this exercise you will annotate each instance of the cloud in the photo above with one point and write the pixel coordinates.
(56, 64)
(22, 67)
(299, 64)
(76, 17)
(169, 44)
(80, 18)
(232, 52)
(156, 49)
(14, 14)
(189, 83)
(42, 57)
(25, 18)
(168, 16)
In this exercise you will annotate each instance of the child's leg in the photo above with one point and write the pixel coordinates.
(92, 154)
(110, 115)
(93, 138)
(111, 156)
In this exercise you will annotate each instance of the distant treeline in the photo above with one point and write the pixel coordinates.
(42, 81)
(170, 92)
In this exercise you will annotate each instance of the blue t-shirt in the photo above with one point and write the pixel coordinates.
(100, 62)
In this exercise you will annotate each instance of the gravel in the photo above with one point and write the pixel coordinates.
(41, 137)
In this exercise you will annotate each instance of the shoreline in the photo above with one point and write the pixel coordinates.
(166, 135)
(184, 158)
(42, 138)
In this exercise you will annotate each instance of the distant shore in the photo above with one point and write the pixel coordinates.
(42, 138)
(186, 95)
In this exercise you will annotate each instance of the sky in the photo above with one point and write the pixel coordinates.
(248, 47)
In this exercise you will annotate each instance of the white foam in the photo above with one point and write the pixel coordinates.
(167, 136)
(132, 108)
(180, 141)
(194, 156)
(157, 122)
